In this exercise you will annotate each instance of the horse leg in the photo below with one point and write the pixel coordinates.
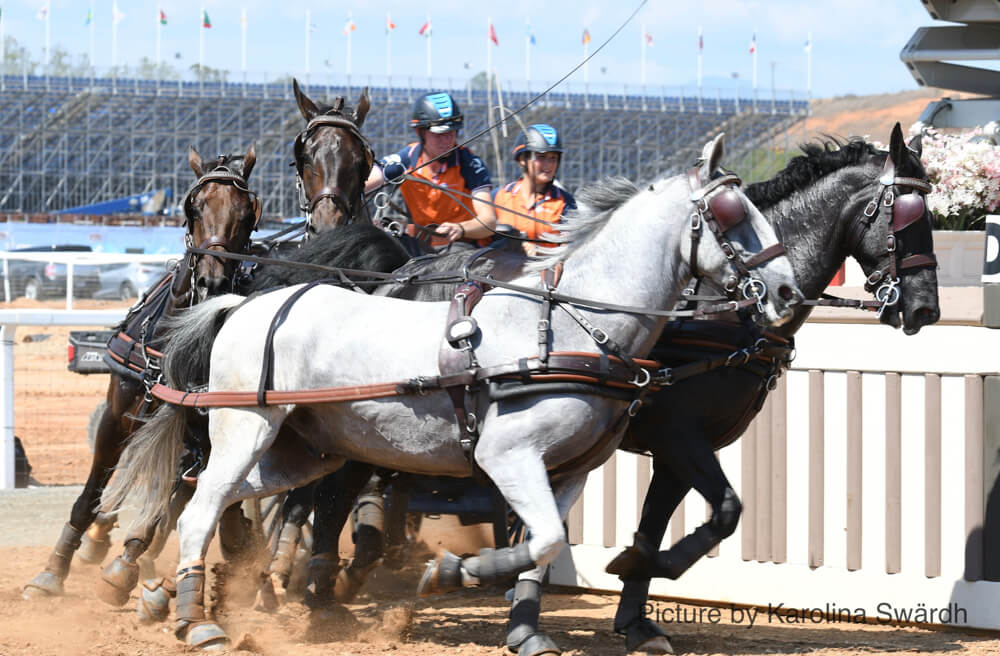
(122, 574)
(335, 496)
(240, 439)
(665, 493)
(523, 636)
(368, 537)
(520, 475)
(107, 450)
(97, 541)
(398, 541)
(294, 512)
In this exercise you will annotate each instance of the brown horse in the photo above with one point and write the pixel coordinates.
(332, 161)
(221, 213)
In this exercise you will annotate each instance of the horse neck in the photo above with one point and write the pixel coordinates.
(634, 259)
(180, 290)
(813, 224)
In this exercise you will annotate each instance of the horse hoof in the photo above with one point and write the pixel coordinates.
(154, 600)
(93, 551)
(442, 575)
(657, 645)
(266, 599)
(645, 636)
(44, 585)
(117, 581)
(208, 636)
(538, 644)
(346, 586)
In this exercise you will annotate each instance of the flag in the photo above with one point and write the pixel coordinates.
(43, 12)
(425, 30)
(117, 15)
(493, 35)
(586, 37)
(243, 18)
(808, 46)
(649, 39)
(753, 44)
(389, 25)
(531, 39)
(90, 17)
(163, 18)
(348, 27)
(206, 22)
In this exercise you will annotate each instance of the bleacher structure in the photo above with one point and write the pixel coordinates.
(66, 142)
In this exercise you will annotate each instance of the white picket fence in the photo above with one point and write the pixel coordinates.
(862, 481)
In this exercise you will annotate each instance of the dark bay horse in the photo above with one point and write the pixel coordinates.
(817, 205)
(332, 160)
(221, 212)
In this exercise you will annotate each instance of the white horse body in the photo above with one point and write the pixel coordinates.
(634, 253)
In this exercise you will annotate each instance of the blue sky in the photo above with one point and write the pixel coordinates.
(855, 43)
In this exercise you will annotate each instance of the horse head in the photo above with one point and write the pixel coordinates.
(898, 255)
(332, 160)
(732, 244)
(221, 213)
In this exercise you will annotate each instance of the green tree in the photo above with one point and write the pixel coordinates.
(209, 74)
(17, 59)
(148, 70)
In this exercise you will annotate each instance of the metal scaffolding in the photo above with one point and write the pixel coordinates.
(66, 142)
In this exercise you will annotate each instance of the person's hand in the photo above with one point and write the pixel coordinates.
(529, 247)
(450, 231)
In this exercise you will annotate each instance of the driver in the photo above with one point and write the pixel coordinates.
(538, 151)
(436, 119)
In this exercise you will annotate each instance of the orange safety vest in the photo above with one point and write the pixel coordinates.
(431, 205)
(550, 208)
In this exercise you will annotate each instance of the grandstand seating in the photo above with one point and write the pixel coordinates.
(73, 141)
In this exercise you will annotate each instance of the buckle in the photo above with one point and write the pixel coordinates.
(695, 221)
(727, 250)
(871, 209)
(599, 336)
(889, 199)
(665, 377)
(634, 407)
(645, 381)
(731, 360)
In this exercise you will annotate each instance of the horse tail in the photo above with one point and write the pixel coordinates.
(189, 337)
(147, 472)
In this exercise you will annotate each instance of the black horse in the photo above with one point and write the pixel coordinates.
(825, 205)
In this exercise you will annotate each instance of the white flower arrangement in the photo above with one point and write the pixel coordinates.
(965, 171)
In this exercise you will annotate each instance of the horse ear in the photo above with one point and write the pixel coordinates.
(361, 109)
(194, 159)
(711, 156)
(306, 106)
(249, 160)
(916, 144)
(897, 147)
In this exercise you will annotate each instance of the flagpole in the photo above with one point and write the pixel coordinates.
(489, 53)
(642, 44)
(243, 44)
(159, 25)
(755, 49)
(388, 49)
(114, 38)
(48, 37)
(308, 18)
(350, 26)
(586, 64)
(3, 53)
(430, 35)
(700, 46)
(201, 42)
(809, 66)
(91, 26)
(527, 54)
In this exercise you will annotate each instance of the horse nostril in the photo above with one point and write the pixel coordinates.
(926, 316)
(788, 294)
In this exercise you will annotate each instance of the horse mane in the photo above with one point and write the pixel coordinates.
(338, 108)
(359, 246)
(820, 158)
(595, 204)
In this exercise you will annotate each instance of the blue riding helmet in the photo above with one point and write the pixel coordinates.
(538, 138)
(437, 112)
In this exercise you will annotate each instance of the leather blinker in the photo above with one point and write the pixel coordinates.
(727, 208)
(907, 209)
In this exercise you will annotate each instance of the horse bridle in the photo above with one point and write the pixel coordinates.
(221, 174)
(901, 210)
(718, 206)
(333, 119)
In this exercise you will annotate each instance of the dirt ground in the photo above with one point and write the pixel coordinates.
(387, 618)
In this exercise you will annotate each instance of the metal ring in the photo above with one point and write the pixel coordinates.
(634, 407)
(648, 377)
(888, 293)
(753, 288)
(395, 228)
(381, 200)
(871, 209)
